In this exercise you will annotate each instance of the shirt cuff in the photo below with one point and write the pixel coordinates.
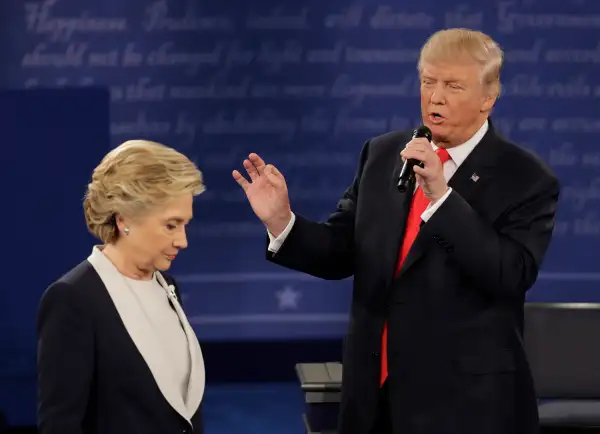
(276, 242)
(431, 209)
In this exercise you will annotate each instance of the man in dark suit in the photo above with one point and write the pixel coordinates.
(440, 271)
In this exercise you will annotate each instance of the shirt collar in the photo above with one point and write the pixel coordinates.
(461, 152)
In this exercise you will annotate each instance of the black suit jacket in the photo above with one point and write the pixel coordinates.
(455, 311)
(91, 377)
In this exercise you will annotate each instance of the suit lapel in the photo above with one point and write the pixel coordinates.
(197, 380)
(137, 326)
(475, 173)
(400, 206)
(471, 177)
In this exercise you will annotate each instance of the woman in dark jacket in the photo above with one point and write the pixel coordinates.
(116, 353)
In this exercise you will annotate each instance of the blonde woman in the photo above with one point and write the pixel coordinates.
(116, 353)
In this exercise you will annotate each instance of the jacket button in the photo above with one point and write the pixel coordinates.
(376, 353)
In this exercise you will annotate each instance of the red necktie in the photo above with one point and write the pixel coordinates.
(413, 224)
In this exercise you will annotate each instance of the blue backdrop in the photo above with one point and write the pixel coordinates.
(304, 84)
(42, 229)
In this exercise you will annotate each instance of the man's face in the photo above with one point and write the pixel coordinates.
(454, 102)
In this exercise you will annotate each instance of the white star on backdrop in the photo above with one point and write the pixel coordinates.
(288, 298)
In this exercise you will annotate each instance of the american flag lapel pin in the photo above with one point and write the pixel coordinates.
(474, 177)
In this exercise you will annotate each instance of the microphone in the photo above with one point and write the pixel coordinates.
(407, 174)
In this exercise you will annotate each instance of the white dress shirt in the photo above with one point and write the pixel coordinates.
(458, 154)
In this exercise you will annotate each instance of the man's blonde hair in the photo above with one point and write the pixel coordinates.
(456, 45)
(132, 178)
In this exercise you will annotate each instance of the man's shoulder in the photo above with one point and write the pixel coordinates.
(518, 159)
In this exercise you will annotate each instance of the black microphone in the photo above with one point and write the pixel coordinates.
(407, 174)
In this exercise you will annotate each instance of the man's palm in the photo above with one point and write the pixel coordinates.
(265, 198)
(267, 191)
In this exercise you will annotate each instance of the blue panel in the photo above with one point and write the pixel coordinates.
(51, 141)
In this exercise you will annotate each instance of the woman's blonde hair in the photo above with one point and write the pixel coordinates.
(454, 45)
(133, 178)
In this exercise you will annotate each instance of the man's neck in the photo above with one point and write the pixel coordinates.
(469, 133)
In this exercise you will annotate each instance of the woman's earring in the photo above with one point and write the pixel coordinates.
(126, 230)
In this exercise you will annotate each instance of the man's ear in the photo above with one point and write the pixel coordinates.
(490, 98)
(488, 103)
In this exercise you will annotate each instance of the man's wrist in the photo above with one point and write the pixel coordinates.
(277, 226)
(441, 195)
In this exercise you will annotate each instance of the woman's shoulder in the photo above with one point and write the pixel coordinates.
(71, 300)
(72, 283)
(81, 274)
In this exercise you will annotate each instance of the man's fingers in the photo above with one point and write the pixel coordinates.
(252, 171)
(419, 171)
(275, 171)
(409, 153)
(420, 143)
(274, 176)
(258, 162)
(256, 167)
(240, 180)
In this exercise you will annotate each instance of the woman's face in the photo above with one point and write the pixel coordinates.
(154, 239)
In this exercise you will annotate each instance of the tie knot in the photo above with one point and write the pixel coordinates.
(443, 155)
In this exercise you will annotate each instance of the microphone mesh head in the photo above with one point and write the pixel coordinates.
(422, 131)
